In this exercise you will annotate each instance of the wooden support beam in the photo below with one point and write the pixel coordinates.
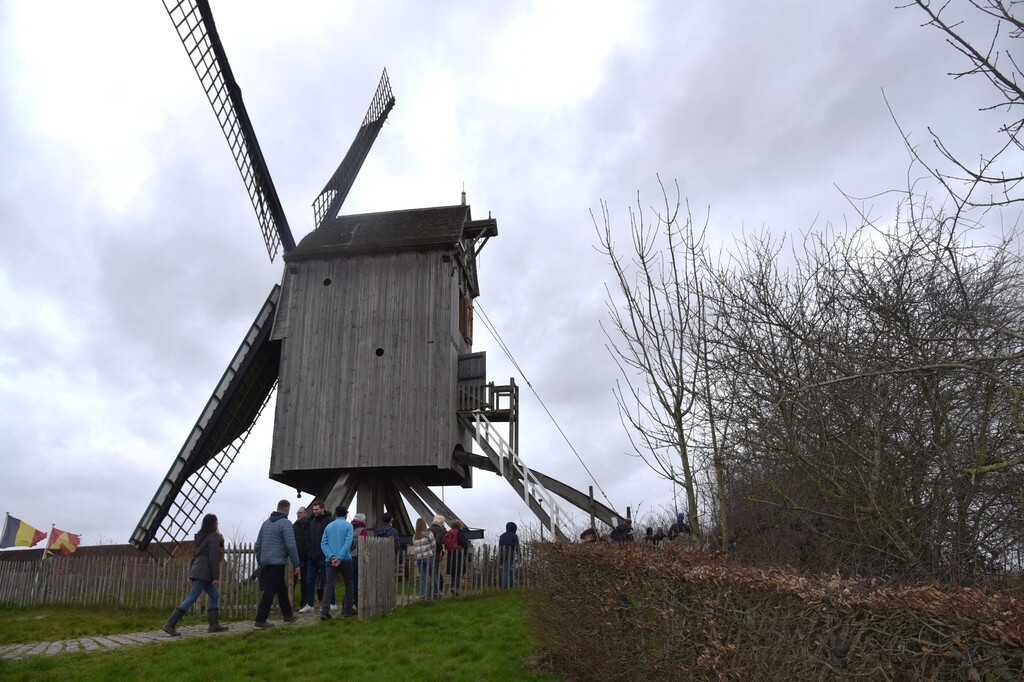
(415, 501)
(606, 514)
(341, 491)
(428, 496)
(394, 504)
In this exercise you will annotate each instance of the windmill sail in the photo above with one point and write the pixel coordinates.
(331, 197)
(194, 23)
(219, 433)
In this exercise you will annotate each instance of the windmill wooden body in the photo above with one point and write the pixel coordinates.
(368, 340)
(375, 314)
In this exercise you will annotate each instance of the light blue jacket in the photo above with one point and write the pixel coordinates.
(337, 540)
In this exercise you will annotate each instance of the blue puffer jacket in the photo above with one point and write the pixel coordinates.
(276, 542)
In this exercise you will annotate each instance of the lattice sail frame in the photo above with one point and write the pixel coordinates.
(222, 428)
(331, 197)
(188, 506)
(194, 23)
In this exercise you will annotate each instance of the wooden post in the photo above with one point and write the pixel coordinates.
(591, 495)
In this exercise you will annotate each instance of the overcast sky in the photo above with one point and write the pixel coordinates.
(131, 263)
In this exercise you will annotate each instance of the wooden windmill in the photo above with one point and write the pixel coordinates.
(368, 340)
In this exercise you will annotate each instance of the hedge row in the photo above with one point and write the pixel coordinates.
(626, 613)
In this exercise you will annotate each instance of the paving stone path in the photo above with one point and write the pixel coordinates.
(15, 651)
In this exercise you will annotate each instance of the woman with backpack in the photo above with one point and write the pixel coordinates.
(422, 551)
(456, 545)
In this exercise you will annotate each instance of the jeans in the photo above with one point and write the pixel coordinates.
(426, 568)
(198, 587)
(506, 574)
(315, 568)
(301, 580)
(273, 585)
(330, 582)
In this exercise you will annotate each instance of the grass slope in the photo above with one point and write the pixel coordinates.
(478, 638)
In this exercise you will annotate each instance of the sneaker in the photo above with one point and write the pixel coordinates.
(348, 614)
(326, 616)
(264, 624)
(306, 609)
(290, 619)
(334, 607)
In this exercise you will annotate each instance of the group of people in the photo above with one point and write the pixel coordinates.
(624, 532)
(323, 546)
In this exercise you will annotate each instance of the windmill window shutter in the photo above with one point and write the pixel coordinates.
(466, 318)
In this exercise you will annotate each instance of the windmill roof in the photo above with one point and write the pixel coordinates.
(409, 229)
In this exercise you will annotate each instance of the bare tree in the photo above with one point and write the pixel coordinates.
(859, 407)
(878, 387)
(658, 338)
(989, 34)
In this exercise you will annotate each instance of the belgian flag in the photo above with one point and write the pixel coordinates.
(17, 533)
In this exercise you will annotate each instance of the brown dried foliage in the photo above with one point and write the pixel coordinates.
(628, 613)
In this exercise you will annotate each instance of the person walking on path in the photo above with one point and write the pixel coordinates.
(508, 553)
(422, 551)
(204, 576)
(337, 547)
(275, 545)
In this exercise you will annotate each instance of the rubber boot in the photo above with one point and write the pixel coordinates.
(172, 621)
(212, 618)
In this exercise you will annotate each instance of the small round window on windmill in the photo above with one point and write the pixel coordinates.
(327, 282)
(379, 352)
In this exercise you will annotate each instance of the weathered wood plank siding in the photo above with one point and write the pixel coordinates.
(341, 405)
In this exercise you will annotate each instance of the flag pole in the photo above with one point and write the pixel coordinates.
(49, 538)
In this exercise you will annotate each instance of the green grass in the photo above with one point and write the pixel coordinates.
(52, 623)
(477, 638)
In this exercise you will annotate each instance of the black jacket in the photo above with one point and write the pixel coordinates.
(316, 534)
(301, 527)
(508, 543)
(206, 557)
(622, 533)
(387, 530)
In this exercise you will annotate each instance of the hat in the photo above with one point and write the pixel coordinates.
(359, 517)
(438, 519)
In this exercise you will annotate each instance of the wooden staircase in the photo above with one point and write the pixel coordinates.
(511, 467)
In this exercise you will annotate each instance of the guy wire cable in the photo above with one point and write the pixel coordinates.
(508, 354)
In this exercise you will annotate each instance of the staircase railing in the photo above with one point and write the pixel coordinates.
(514, 469)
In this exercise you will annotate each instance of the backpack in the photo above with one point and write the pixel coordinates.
(451, 540)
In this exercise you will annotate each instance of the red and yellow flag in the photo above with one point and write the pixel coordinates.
(64, 541)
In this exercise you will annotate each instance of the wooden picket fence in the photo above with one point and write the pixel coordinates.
(483, 572)
(126, 581)
(385, 580)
